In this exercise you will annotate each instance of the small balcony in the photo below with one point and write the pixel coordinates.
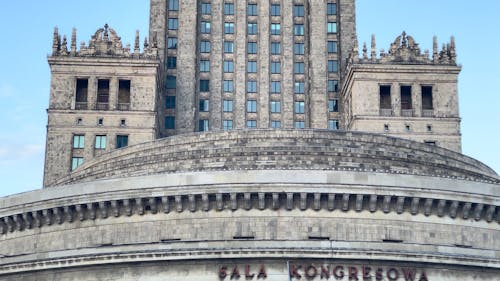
(102, 106)
(407, 112)
(427, 112)
(81, 106)
(123, 106)
(386, 112)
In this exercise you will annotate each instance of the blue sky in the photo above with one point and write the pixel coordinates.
(25, 77)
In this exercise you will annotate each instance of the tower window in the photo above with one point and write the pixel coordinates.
(275, 124)
(205, 46)
(100, 142)
(81, 93)
(102, 94)
(275, 107)
(204, 66)
(252, 67)
(299, 88)
(427, 102)
(333, 66)
(203, 125)
(331, 27)
(169, 122)
(79, 141)
(298, 10)
(385, 97)
(333, 105)
(252, 28)
(121, 141)
(252, 47)
(173, 5)
(205, 27)
(172, 43)
(275, 29)
(333, 124)
(170, 102)
(275, 67)
(332, 47)
(275, 10)
(298, 68)
(76, 162)
(299, 107)
(227, 125)
(206, 8)
(298, 29)
(171, 62)
(299, 124)
(228, 8)
(204, 105)
(252, 86)
(333, 85)
(298, 48)
(173, 23)
(227, 106)
(228, 86)
(229, 27)
(228, 47)
(275, 48)
(251, 9)
(275, 87)
(406, 98)
(171, 82)
(252, 106)
(124, 95)
(251, 124)
(331, 9)
(204, 85)
(228, 66)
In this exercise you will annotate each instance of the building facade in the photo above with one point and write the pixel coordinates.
(251, 141)
(222, 65)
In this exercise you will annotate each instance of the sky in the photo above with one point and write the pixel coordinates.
(27, 37)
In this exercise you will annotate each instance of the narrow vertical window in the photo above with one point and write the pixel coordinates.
(81, 93)
(124, 95)
(102, 94)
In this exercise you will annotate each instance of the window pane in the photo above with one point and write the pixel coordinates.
(204, 105)
(173, 23)
(227, 106)
(228, 47)
(275, 10)
(298, 10)
(252, 28)
(331, 9)
(205, 46)
(275, 124)
(275, 107)
(100, 142)
(252, 48)
(275, 87)
(172, 43)
(170, 122)
(333, 105)
(204, 66)
(299, 107)
(299, 124)
(299, 87)
(275, 29)
(333, 66)
(251, 124)
(204, 85)
(171, 62)
(121, 141)
(252, 9)
(333, 124)
(299, 68)
(170, 102)
(229, 9)
(252, 86)
(173, 5)
(333, 85)
(252, 67)
(275, 67)
(206, 8)
(76, 162)
(332, 27)
(205, 27)
(332, 46)
(78, 141)
(298, 48)
(228, 27)
(252, 106)
(228, 66)
(298, 29)
(227, 125)
(171, 82)
(228, 86)
(275, 48)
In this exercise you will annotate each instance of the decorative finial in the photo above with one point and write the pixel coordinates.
(106, 35)
(136, 44)
(64, 47)
(435, 54)
(365, 52)
(453, 51)
(374, 49)
(73, 42)
(146, 43)
(404, 41)
(55, 42)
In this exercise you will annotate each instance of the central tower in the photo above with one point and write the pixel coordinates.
(233, 64)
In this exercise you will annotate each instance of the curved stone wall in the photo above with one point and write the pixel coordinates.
(283, 149)
(358, 200)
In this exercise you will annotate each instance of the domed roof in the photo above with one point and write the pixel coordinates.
(282, 150)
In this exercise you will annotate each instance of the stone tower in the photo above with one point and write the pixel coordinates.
(102, 97)
(237, 64)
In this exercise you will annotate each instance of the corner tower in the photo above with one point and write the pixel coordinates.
(103, 96)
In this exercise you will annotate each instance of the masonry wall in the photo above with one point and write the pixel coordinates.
(66, 118)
